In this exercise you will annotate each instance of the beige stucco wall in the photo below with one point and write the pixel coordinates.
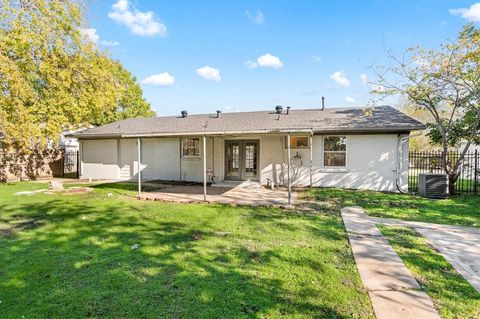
(371, 161)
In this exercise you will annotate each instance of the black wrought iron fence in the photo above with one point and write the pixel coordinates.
(67, 165)
(432, 162)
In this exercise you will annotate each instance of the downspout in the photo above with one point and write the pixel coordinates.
(400, 142)
(181, 157)
(139, 161)
(288, 170)
(311, 158)
(204, 168)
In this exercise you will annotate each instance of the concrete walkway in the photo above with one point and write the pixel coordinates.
(459, 245)
(395, 294)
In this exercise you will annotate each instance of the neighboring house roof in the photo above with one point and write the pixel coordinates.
(330, 120)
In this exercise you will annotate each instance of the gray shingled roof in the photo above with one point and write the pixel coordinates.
(331, 120)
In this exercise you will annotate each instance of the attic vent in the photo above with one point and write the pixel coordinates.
(184, 113)
(433, 185)
(278, 109)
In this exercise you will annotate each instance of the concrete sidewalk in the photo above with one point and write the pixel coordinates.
(459, 245)
(394, 292)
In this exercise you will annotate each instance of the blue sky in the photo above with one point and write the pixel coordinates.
(252, 55)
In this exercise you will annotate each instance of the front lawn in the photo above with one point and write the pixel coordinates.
(106, 254)
(461, 210)
(452, 295)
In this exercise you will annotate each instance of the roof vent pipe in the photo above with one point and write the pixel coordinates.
(288, 110)
(184, 113)
(278, 109)
(323, 103)
(218, 113)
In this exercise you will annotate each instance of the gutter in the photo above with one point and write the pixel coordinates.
(400, 142)
(107, 136)
(276, 131)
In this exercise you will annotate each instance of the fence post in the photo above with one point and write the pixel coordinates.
(62, 174)
(475, 173)
(78, 165)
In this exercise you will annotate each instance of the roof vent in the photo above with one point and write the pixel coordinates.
(218, 113)
(323, 103)
(278, 109)
(288, 110)
(184, 113)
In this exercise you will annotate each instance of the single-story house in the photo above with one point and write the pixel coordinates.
(358, 148)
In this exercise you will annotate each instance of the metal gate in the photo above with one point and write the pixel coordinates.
(67, 165)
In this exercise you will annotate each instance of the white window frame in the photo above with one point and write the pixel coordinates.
(198, 155)
(297, 147)
(335, 168)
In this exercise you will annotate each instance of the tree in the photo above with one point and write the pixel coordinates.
(130, 102)
(446, 83)
(52, 78)
(421, 142)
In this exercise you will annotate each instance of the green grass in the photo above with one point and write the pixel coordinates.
(71, 256)
(461, 210)
(452, 295)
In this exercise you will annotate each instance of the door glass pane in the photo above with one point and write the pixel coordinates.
(233, 160)
(250, 159)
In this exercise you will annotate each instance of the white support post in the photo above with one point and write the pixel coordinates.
(311, 159)
(139, 161)
(204, 168)
(288, 170)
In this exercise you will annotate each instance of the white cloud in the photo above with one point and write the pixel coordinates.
(340, 78)
(139, 22)
(90, 34)
(350, 100)
(316, 58)
(257, 17)
(266, 61)
(120, 5)
(471, 14)
(209, 73)
(364, 79)
(269, 61)
(376, 88)
(251, 65)
(110, 43)
(161, 79)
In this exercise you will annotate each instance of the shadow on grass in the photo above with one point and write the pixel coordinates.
(80, 259)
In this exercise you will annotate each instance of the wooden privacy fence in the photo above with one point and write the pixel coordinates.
(432, 162)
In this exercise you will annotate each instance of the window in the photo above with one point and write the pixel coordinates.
(335, 151)
(298, 142)
(190, 147)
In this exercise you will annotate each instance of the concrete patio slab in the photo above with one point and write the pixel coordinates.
(252, 194)
(391, 287)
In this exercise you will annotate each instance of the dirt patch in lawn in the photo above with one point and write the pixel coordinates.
(11, 228)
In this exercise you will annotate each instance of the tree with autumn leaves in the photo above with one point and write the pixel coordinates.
(53, 79)
(445, 82)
